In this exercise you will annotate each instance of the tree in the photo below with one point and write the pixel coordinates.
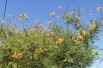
(49, 47)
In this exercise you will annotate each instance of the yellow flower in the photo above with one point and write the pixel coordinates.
(65, 16)
(15, 30)
(83, 33)
(68, 15)
(49, 22)
(59, 41)
(76, 42)
(18, 56)
(92, 27)
(38, 26)
(80, 38)
(36, 21)
(39, 51)
(71, 13)
(99, 8)
(45, 28)
(52, 33)
(23, 16)
(76, 20)
(52, 14)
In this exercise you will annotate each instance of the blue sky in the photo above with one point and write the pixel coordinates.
(40, 9)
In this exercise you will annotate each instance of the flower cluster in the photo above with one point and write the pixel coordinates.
(99, 8)
(38, 51)
(23, 16)
(92, 27)
(59, 41)
(52, 14)
(18, 56)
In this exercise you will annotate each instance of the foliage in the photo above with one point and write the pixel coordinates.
(49, 47)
